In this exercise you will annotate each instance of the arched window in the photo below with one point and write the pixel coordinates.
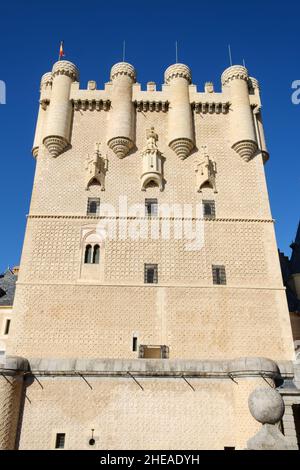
(88, 254)
(96, 254)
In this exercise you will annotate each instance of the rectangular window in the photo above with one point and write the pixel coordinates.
(151, 207)
(151, 274)
(60, 441)
(219, 274)
(7, 325)
(134, 343)
(153, 352)
(93, 206)
(209, 209)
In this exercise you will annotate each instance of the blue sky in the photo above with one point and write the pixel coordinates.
(264, 33)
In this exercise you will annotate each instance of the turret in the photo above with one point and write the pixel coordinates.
(45, 92)
(59, 116)
(180, 119)
(254, 90)
(121, 130)
(242, 133)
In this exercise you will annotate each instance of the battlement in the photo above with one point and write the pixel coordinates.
(123, 97)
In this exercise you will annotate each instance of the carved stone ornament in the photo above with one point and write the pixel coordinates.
(152, 162)
(206, 171)
(96, 169)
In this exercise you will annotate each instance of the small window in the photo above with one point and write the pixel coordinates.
(219, 275)
(134, 343)
(209, 209)
(151, 207)
(88, 254)
(153, 352)
(151, 274)
(93, 206)
(60, 441)
(96, 254)
(2, 292)
(7, 326)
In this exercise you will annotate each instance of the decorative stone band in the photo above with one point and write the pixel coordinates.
(253, 84)
(178, 70)
(123, 68)
(211, 108)
(46, 80)
(152, 106)
(69, 216)
(182, 147)
(55, 145)
(64, 67)
(235, 72)
(91, 105)
(241, 367)
(120, 146)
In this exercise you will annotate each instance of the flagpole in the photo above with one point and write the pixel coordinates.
(230, 56)
(124, 47)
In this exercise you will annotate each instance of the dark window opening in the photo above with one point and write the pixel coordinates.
(60, 441)
(93, 206)
(219, 275)
(2, 292)
(206, 185)
(152, 184)
(7, 326)
(96, 254)
(209, 209)
(151, 207)
(134, 343)
(151, 274)
(88, 254)
(296, 414)
(153, 352)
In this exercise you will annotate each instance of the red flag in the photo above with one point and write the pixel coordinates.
(61, 50)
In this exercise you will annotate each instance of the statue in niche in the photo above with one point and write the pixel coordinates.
(152, 173)
(206, 171)
(96, 169)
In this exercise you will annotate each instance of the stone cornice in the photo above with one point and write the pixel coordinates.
(123, 68)
(145, 105)
(178, 71)
(46, 79)
(235, 72)
(213, 107)
(64, 67)
(91, 104)
(131, 368)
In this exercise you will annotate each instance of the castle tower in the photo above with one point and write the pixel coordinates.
(121, 120)
(149, 303)
(235, 82)
(59, 118)
(180, 120)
